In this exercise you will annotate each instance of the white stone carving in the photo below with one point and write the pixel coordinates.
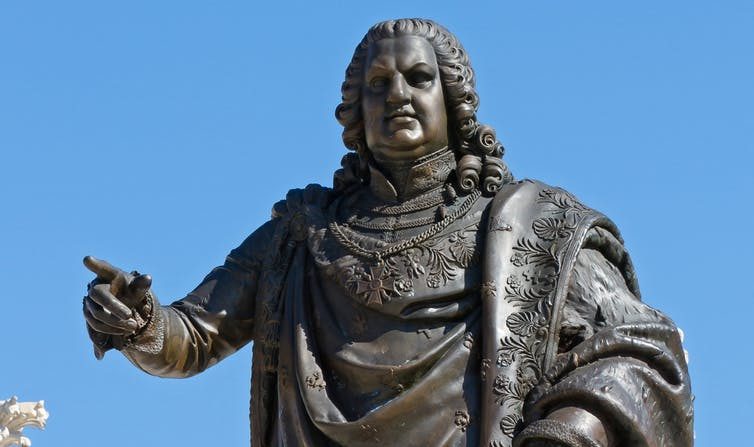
(15, 415)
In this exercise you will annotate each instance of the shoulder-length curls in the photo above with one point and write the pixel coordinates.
(478, 152)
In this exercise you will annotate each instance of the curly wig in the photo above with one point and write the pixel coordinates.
(478, 152)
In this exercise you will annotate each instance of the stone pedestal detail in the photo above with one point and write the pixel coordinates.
(15, 415)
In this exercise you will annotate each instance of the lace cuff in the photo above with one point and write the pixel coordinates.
(150, 338)
(551, 432)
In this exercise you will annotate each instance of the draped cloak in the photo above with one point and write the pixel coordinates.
(511, 353)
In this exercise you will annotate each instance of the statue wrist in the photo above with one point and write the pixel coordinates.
(148, 338)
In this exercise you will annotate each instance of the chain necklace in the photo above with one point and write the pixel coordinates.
(424, 201)
(398, 225)
(379, 255)
(442, 196)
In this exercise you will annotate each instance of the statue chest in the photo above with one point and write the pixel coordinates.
(387, 265)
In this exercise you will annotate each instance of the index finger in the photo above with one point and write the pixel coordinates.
(103, 269)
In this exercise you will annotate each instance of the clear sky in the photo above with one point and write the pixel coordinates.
(157, 135)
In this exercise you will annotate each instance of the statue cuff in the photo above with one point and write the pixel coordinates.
(553, 432)
(150, 338)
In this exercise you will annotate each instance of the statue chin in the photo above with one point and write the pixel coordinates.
(405, 145)
(406, 138)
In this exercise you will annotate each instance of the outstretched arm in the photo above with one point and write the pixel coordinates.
(190, 335)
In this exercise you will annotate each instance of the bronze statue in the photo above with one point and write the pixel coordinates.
(427, 298)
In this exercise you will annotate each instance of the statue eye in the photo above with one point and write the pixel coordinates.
(378, 83)
(419, 79)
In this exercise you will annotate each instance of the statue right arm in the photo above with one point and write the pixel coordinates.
(213, 321)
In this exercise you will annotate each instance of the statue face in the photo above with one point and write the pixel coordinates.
(402, 100)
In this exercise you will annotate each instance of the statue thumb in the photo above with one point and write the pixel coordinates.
(139, 287)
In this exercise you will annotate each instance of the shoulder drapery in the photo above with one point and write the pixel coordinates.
(537, 235)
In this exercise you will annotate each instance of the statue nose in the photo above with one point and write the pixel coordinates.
(398, 92)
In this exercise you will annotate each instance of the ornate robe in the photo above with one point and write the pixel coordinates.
(496, 312)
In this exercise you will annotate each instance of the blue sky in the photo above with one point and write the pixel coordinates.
(158, 134)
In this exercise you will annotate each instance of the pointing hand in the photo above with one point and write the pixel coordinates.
(116, 305)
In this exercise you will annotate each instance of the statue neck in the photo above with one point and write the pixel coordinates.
(397, 182)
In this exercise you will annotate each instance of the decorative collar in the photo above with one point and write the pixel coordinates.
(401, 181)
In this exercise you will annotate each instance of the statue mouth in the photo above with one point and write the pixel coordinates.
(401, 113)
(402, 119)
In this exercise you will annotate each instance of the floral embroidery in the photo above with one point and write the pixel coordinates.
(514, 282)
(549, 228)
(509, 424)
(404, 286)
(468, 340)
(315, 381)
(462, 248)
(524, 323)
(530, 287)
(433, 172)
(563, 200)
(504, 358)
(484, 367)
(532, 252)
(445, 256)
(413, 266)
(518, 259)
(499, 385)
(489, 289)
(434, 262)
(517, 349)
(506, 389)
(462, 420)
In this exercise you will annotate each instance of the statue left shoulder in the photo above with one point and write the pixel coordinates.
(539, 192)
(549, 211)
(551, 215)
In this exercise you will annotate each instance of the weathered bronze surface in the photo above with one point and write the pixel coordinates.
(427, 298)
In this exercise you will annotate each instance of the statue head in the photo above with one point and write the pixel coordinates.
(370, 95)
